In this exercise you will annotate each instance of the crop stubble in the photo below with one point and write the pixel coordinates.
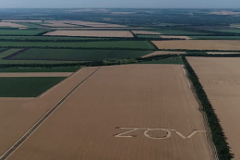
(135, 96)
(19, 114)
(199, 44)
(221, 81)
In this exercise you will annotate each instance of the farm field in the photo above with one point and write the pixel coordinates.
(77, 55)
(146, 32)
(26, 86)
(126, 97)
(231, 30)
(220, 80)
(12, 25)
(95, 24)
(8, 52)
(223, 52)
(58, 24)
(148, 36)
(162, 53)
(19, 114)
(215, 37)
(20, 32)
(46, 38)
(29, 25)
(102, 44)
(91, 33)
(54, 69)
(199, 44)
(180, 32)
(180, 37)
(42, 74)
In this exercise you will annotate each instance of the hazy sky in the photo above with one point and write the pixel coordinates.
(120, 3)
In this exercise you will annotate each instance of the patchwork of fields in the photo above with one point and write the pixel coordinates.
(58, 102)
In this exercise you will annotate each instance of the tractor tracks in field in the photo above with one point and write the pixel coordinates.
(18, 143)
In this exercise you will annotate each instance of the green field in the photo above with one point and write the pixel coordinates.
(179, 32)
(189, 52)
(77, 55)
(101, 44)
(148, 36)
(52, 38)
(60, 69)
(26, 87)
(215, 37)
(20, 32)
(230, 31)
(8, 52)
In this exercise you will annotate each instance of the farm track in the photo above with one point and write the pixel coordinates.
(39, 122)
(16, 53)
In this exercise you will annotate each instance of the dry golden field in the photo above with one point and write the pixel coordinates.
(10, 24)
(181, 37)
(143, 112)
(17, 115)
(145, 32)
(91, 33)
(37, 74)
(220, 78)
(162, 53)
(199, 44)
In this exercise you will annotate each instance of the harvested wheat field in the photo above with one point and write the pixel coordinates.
(220, 78)
(145, 32)
(124, 112)
(91, 33)
(37, 74)
(223, 52)
(19, 114)
(180, 37)
(13, 25)
(156, 53)
(199, 44)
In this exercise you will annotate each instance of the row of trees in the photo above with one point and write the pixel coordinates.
(218, 136)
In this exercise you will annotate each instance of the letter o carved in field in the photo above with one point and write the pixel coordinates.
(157, 129)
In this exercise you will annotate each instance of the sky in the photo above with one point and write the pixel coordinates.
(119, 3)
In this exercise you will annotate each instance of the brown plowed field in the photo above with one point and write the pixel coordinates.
(38, 74)
(199, 44)
(58, 24)
(162, 53)
(17, 115)
(91, 33)
(153, 103)
(220, 78)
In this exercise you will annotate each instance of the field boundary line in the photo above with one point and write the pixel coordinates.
(4, 50)
(204, 115)
(16, 145)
